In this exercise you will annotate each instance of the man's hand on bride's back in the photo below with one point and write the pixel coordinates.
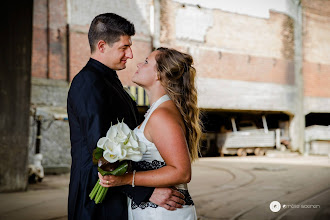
(167, 198)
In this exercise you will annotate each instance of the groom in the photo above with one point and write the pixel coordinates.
(96, 100)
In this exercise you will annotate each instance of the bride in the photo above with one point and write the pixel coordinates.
(171, 131)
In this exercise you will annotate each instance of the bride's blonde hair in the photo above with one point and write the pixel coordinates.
(177, 76)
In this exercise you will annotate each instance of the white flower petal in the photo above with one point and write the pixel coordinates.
(109, 145)
(109, 156)
(121, 143)
(117, 148)
(112, 132)
(133, 143)
(125, 129)
(123, 154)
(119, 129)
(134, 135)
(131, 151)
(101, 142)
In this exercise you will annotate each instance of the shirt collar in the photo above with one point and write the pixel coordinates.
(102, 69)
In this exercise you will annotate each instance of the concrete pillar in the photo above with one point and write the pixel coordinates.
(297, 127)
(15, 83)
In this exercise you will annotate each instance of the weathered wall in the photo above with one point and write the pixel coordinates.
(40, 42)
(243, 67)
(54, 137)
(226, 44)
(48, 92)
(316, 57)
(245, 56)
(224, 94)
(233, 47)
(49, 85)
(48, 106)
(49, 54)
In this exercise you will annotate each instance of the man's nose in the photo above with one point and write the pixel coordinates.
(129, 53)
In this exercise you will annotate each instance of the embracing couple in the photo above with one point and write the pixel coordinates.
(171, 128)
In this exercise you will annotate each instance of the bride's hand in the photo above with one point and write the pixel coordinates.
(111, 180)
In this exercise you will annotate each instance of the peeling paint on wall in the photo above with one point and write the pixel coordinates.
(192, 23)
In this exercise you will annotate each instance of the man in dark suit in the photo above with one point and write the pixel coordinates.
(95, 100)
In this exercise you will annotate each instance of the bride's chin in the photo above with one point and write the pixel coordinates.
(137, 83)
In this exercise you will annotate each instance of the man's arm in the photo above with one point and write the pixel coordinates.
(138, 194)
(167, 198)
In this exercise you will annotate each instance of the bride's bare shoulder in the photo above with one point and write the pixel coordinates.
(167, 116)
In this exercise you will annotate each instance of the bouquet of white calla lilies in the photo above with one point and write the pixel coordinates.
(119, 144)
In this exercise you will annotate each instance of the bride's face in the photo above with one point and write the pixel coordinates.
(146, 73)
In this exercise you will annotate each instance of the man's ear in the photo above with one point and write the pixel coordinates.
(101, 46)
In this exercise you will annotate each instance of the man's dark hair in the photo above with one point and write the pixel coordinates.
(108, 27)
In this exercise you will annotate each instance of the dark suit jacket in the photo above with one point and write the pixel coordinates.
(95, 100)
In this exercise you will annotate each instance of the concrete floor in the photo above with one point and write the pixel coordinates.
(222, 188)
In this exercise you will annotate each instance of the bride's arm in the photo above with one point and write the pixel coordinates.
(166, 132)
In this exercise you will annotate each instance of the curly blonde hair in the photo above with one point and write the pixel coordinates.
(177, 76)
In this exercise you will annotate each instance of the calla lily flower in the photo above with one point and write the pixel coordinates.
(120, 143)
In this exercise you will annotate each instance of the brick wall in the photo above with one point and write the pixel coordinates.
(79, 49)
(49, 53)
(39, 40)
(243, 62)
(316, 47)
(231, 46)
(226, 45)
(249, 35)
(217, 64)
(316, 79)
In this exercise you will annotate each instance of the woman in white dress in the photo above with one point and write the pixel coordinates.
(171, 131)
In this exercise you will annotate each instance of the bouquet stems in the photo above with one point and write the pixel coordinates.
(99, 192)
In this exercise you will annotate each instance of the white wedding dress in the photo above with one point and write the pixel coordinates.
(152, 160)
